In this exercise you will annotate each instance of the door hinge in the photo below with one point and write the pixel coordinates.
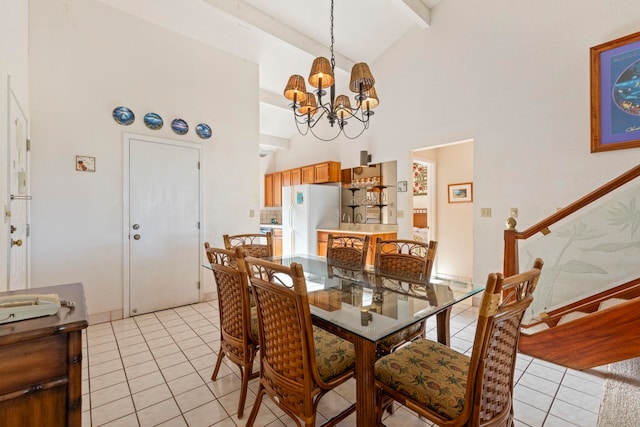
(198, 285)
(198, 225)
(198, 165)
(28, 230)
(28, 144)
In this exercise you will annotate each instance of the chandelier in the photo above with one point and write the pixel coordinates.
(308, 108)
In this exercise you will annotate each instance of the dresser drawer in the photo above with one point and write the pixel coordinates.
(27, 363)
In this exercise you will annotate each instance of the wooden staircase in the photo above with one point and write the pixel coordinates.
(596, 330)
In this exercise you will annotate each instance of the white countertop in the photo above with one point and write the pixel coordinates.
(270, 225)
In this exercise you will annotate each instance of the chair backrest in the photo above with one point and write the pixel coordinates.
(233, 301)
(348, 250)
(287, 357)
(495, 346)
(256, 245)
(405, 258)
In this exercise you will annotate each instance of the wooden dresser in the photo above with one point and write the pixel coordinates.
(40, 364)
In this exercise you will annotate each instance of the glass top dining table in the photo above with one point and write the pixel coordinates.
(365, 306)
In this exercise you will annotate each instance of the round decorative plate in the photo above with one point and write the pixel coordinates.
(123, 115)
(153, 121)
(203, 130)
(179, 126)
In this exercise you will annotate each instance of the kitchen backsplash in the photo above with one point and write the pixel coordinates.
(267, 215)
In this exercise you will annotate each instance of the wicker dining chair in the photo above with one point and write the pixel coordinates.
(238, 320)
(257, 245)
(408, 259)
(299, 362)
(452, 389)
(347, 250)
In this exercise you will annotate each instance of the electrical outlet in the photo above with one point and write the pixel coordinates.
(485, 212)
(513, 212)
(400, 214)
(252, 213)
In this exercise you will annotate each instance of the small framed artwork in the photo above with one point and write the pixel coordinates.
(85, 164)
(402, 186)
(461, 193)
(615, 104)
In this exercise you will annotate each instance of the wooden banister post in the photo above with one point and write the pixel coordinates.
(510, 264)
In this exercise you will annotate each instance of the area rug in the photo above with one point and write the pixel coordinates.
(620, 405)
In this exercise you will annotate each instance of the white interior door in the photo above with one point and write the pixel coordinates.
(18, 168)
(163, 228)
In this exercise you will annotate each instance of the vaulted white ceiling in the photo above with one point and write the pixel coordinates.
(284, 36)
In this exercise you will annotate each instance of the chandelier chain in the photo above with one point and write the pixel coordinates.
(333, 59)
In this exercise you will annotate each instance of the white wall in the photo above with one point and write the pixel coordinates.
(87, 58)
(14, 65)
(514, 77)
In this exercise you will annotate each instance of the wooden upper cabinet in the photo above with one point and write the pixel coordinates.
(296, 176)
(327, 172)
(308, 174)
(268, 189)
(286, 178)
(345, 176)
(277, 189)
(318, 173)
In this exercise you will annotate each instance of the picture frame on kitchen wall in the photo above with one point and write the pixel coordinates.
(615, 94)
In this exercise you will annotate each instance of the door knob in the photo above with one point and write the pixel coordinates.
(136, 237)
(136, 226)
(16, 242)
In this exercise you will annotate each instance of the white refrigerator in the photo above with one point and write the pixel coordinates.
(305, 208)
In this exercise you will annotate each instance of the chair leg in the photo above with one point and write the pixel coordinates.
(256, 407)
(214, 376)
(246, 374)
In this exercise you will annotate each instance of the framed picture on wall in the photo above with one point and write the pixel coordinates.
(85, 164)
(461, 193)
(615, 94)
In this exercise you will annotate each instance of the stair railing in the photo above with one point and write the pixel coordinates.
(512, 236)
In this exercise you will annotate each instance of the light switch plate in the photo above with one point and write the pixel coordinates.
(513, 212)
(485, 212)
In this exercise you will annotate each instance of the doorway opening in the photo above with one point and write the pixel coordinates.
(435, 171)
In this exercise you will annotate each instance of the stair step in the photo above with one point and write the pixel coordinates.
(611, 303)
(571, 316)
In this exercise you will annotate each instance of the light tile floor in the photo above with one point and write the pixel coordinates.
(155, 369)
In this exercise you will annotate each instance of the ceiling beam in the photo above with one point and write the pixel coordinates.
(274, 99)
(247, 14)
(415, 9)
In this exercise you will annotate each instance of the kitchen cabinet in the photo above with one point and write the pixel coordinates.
(308, 174)
(323, 236)
(319, 173)
(296, 176)
(277, 189)
(286, 178)
(273, 189)
(41, 365)
(268, 189)
(327, 172)
(277, 241)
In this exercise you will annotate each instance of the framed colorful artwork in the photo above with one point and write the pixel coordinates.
(615, 94)
(85, 164)
(461, 193)
(419, 179)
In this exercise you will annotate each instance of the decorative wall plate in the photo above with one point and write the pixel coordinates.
(203, 130)
(153, 121)
(124, 116)
(179, 126)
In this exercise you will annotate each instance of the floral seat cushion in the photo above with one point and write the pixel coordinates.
(254, 321)
(334, 355)
(429, 373)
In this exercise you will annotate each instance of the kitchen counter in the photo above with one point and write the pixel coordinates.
(270, 225)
